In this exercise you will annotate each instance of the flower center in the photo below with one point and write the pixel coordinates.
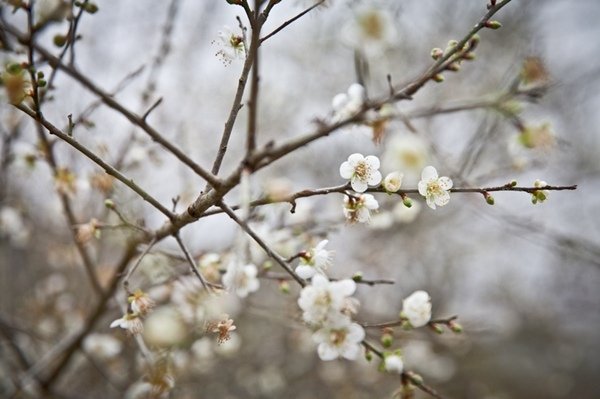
(236, 41)
(434, 189)
(361, 171)
(337, 337)
(372, 25)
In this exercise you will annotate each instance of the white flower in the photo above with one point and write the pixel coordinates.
(434, 188)
(393, 364)
(408, 153)
(362, 171)
(348, 104)
(371, 31)
(102, 345)
(241, 279)
(357, 208)
(393, 182)
(314, 261)
(539, 195)
(323, 299)
(130, 322)
(140, 302)
(232, 46)
(13, 227)
(340, 339)
(165, 328)
(417, 308)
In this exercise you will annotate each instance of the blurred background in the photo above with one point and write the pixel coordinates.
(522, 278)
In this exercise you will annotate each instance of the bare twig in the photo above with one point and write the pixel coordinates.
(275, 256)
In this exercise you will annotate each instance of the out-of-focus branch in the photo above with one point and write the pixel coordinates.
(290, 21)
(97, 160)
(271, 153)
(274, 255)
(114, 104)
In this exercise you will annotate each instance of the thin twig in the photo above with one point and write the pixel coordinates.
(274, 255)
(191, 262)
(290, 21)
(97, 160)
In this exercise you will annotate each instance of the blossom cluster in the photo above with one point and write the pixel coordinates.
(327, 307)
(363, 172)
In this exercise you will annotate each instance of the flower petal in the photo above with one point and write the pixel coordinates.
(359, 186)
(374, 178)
(442, 199)
(339, 101)
(429, 173)
(422, 188)
(327, 352)
(350, 352)
(355, 159)
(346, 170)
(445, 183)
(430, 202)
(344, 287)
(372, 161)
(305, 271)
(356, 92)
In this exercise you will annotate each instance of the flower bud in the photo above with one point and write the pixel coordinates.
(439, 78)
(488, 198)
(59, 40)
(451, 44)
(407, 201)
(436, 328)
(110, 204)
(455, 327)
(454, 67)
(387, 340)
(492, 25)
(469, 56)
(358, 276)
(437, 53)
(284, 287)
(513, 183)
(392, 182)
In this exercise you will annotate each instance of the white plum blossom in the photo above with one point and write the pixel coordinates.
(417, 308)
(406, 152)
(393, 182)
(358, 207)
(103, 346)
(372, 31)
(314, 261)
(232, 46)
(241, 279)
(393, 364)
(362, 171)
(165, 328)
(348, 104)
(323, 299)
(130, 322)
(13, 226)
(435, 189)
(339, 339)
(140, 302)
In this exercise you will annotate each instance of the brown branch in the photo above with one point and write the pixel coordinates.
(342, 189)
(112, 103)
(190, 261)
(96, 159)
(270, 153)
